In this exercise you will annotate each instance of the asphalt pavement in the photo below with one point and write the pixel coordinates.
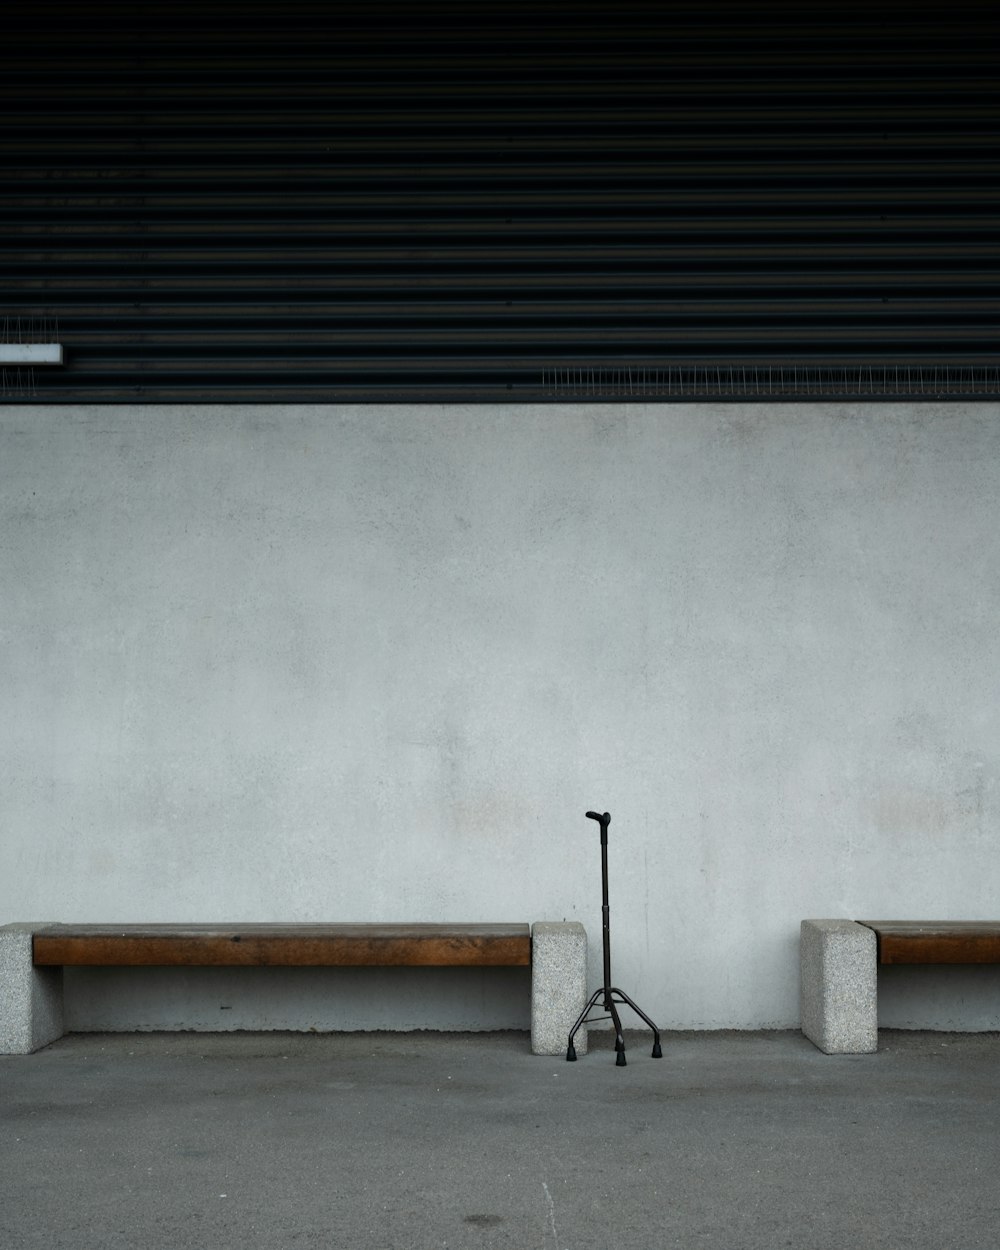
(418, 1140)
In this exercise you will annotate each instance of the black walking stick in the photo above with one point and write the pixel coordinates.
(607, 993)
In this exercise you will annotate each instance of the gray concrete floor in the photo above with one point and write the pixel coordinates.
(734, 1140)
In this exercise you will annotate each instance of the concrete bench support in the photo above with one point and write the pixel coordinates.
(558, 985)
(31, 999)
(838, 988)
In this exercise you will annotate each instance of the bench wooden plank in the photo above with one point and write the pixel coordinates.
(936, 941)
(296, 945)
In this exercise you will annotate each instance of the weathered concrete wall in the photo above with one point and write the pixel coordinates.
(374, 663)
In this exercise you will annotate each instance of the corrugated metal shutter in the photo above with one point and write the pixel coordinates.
(387, 201)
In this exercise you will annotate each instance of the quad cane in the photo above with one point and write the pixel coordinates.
(608, 995)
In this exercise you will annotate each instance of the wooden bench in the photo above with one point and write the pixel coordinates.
(839, 962)
(32, 958)
(935, 941)
(283, 946)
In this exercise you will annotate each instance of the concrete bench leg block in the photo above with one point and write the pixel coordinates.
(558, 985)
(31, 999)
(838, 993)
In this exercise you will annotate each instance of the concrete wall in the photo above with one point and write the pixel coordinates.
(303, 663)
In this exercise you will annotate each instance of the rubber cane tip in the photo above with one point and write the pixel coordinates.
(657, 1052)
(620, 1061)
(571, 1054)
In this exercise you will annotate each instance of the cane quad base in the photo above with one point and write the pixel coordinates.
(609, 998)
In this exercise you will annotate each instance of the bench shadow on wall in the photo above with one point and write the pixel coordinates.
(324, 999)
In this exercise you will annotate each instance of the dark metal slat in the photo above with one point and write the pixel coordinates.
(417, 201)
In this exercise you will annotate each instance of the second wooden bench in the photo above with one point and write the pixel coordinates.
(839, 962)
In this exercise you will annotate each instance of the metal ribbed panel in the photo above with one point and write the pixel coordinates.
(309, 201)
